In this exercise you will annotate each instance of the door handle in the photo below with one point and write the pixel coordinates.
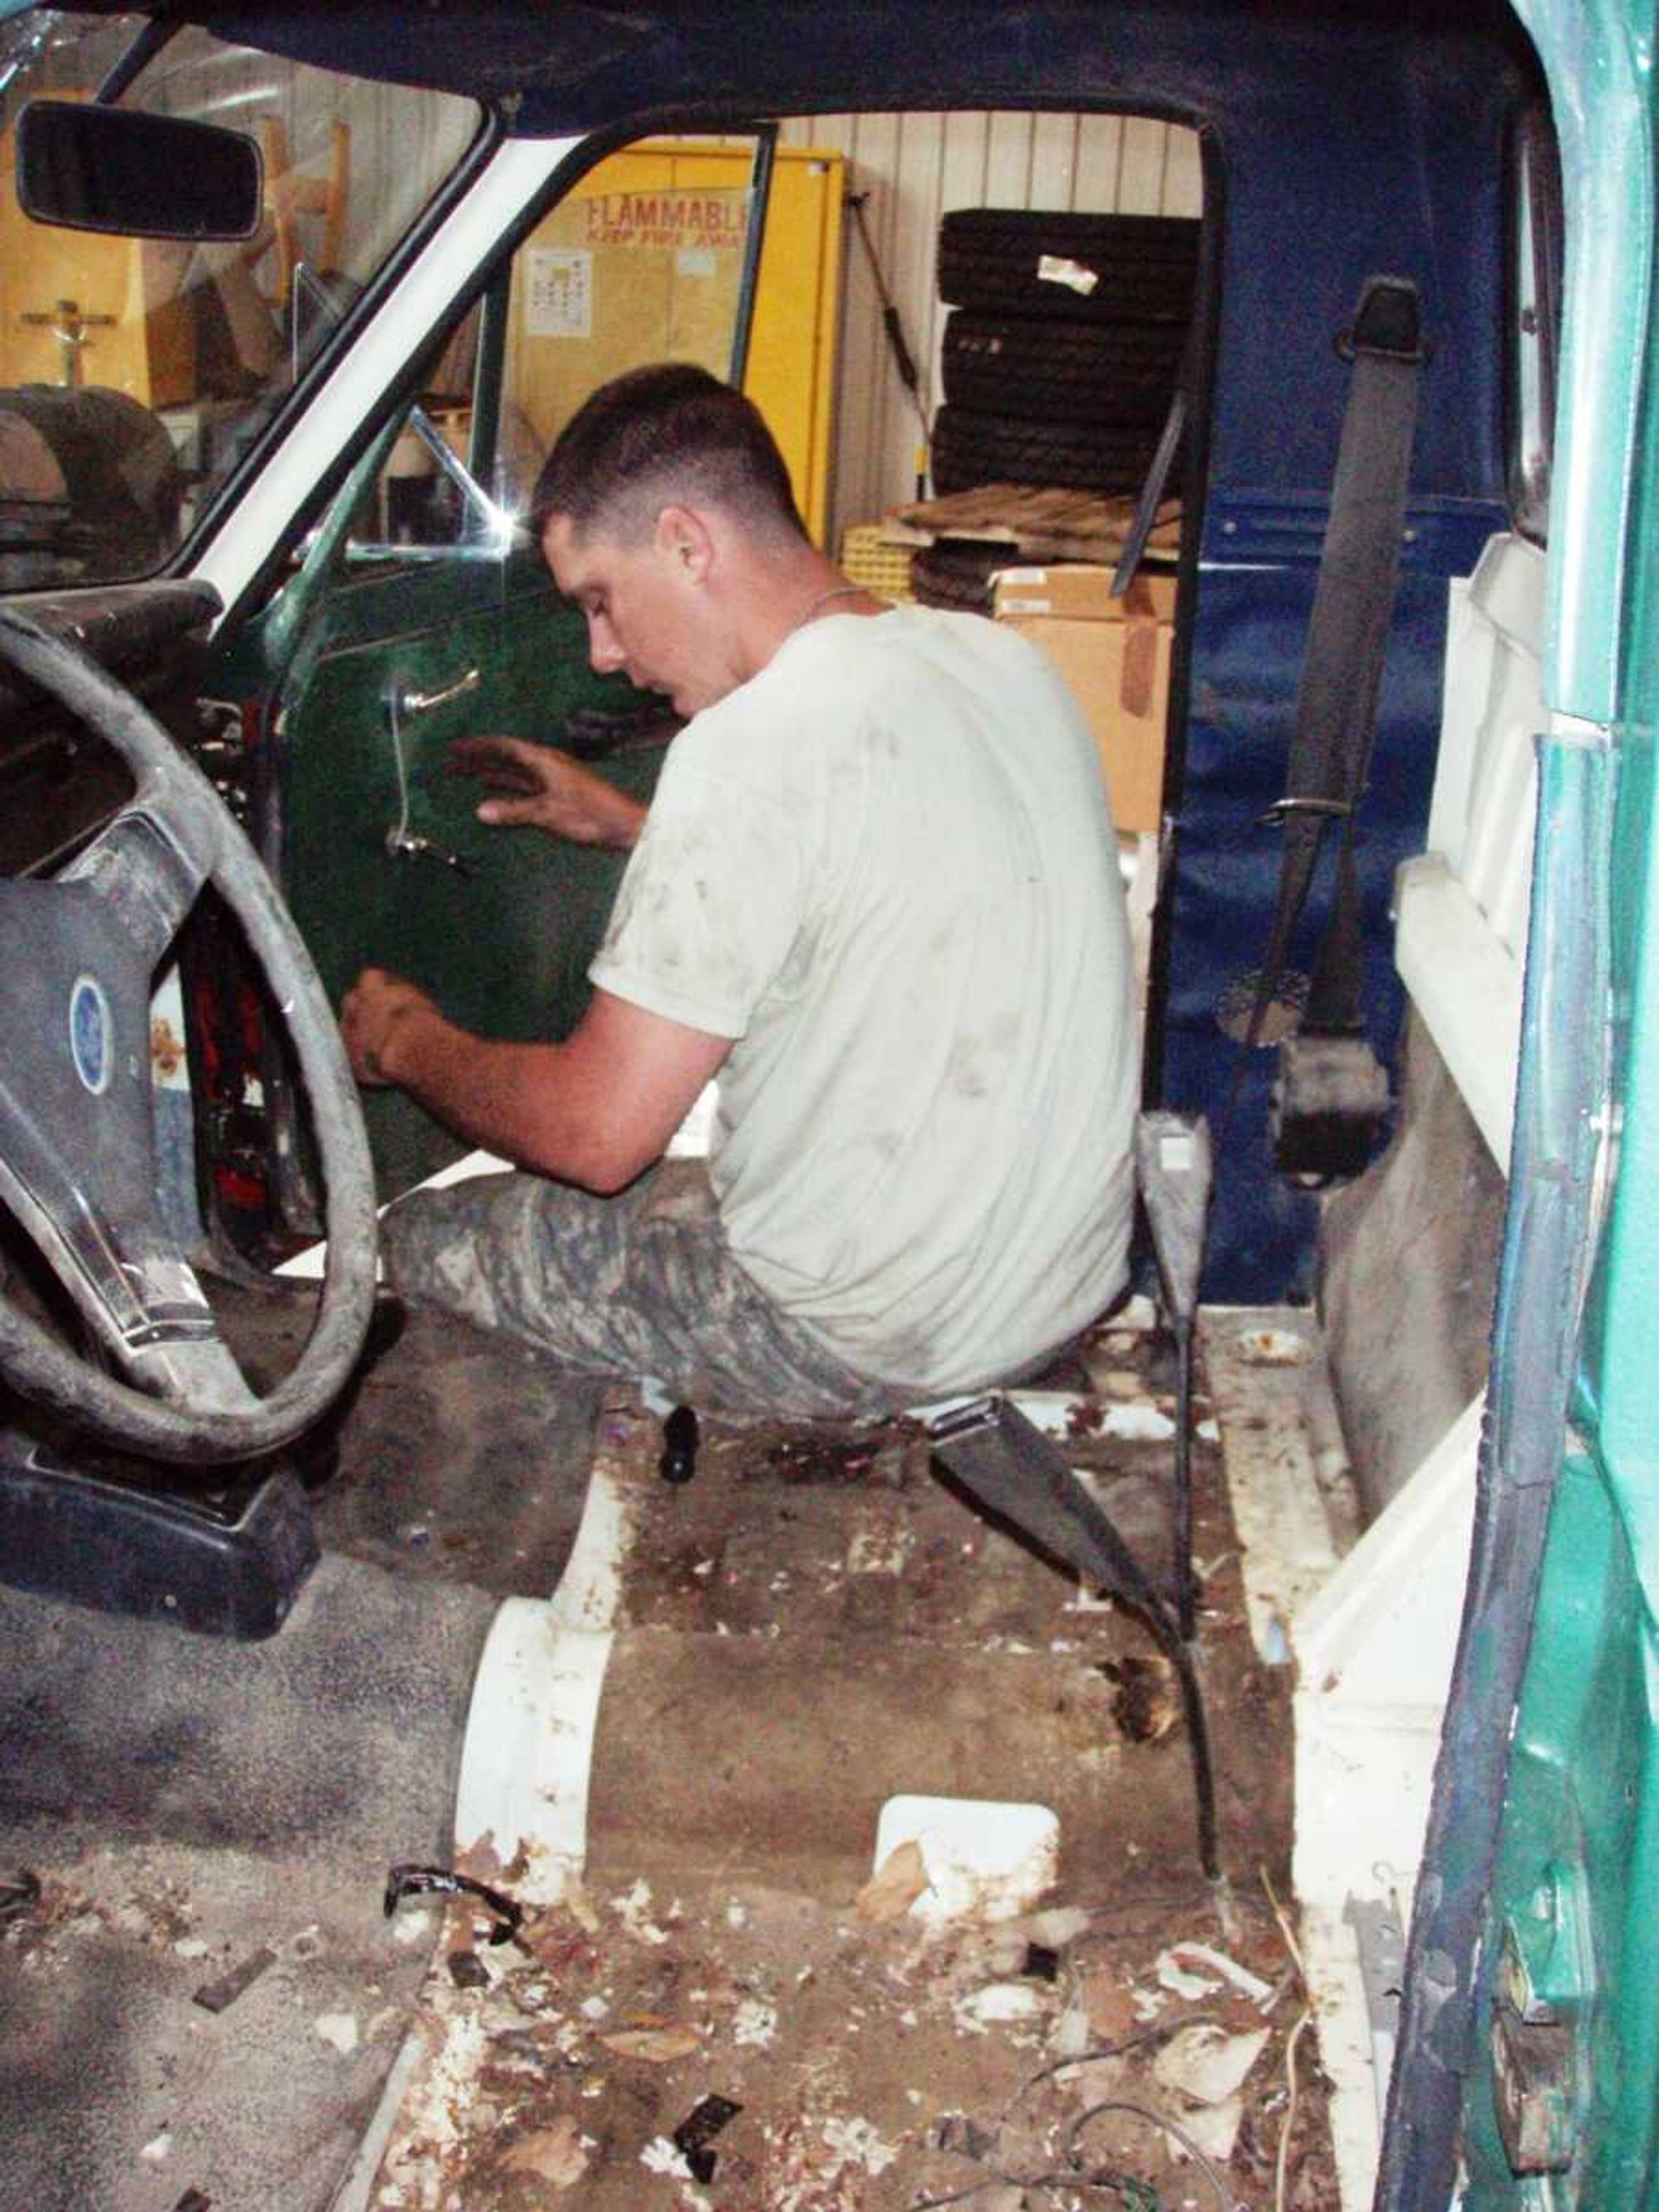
(408, 701)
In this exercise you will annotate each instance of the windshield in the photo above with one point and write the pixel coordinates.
(134, 375)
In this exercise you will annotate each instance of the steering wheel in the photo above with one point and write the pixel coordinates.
(78, 1162)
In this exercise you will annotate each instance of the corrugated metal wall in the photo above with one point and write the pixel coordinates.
(917, 167)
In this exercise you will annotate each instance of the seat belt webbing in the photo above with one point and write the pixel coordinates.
(1347, 638)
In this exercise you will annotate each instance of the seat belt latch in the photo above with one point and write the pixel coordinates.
(1329, 1105)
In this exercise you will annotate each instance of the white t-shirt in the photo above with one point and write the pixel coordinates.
(885, 866)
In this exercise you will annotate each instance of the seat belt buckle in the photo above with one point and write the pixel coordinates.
(1329, 1106)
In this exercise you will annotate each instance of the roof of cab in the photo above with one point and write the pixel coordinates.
(562, 63)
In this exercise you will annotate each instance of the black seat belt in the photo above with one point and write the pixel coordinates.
(1331, 1093)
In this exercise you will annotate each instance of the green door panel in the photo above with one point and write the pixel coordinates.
(504, 947)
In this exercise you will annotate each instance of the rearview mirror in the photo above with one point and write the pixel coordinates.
(87, 167)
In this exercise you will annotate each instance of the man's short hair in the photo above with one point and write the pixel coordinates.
(670, 433)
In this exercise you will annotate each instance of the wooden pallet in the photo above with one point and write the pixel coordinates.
(1043, 524)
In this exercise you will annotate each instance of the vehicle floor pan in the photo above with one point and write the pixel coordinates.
(457, 1455)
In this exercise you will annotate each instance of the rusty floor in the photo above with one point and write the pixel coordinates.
(811, 1626)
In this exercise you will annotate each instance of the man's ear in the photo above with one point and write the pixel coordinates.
(683, 538)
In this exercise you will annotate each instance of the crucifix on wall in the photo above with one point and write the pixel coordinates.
(71, 328)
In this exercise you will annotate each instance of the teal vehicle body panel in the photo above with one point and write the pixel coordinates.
(1572, 1932)
(1574, 1895)
(1598, 59)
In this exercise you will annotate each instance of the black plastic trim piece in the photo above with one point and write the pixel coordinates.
(231, 1570)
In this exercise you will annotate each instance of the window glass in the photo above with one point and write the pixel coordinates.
(643, 261)
(135, 373)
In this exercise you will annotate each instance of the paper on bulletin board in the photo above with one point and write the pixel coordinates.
(559, 297)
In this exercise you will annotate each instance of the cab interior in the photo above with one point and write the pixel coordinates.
(248, 1687)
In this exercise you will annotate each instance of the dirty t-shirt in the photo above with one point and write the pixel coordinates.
(885, 867)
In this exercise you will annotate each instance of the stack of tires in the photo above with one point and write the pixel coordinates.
(1061, 355)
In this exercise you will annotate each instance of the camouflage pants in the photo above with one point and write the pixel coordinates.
(638, 1285)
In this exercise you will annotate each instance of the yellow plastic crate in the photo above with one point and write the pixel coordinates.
(867, 558)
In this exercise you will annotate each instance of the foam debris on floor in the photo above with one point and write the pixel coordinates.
(758, 1999)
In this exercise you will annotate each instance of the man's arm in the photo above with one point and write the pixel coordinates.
(541, 786)
(595, 1110)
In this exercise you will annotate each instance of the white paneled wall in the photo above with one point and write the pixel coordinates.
(915, 168)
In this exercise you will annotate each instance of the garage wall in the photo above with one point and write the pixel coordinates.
(914, 168)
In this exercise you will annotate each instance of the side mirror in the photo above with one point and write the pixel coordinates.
(87, 167)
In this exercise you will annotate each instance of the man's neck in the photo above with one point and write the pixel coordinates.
(788, 597)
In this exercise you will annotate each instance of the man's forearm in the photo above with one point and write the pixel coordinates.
(620, 820)
(597, 1109)
(533, 1104)
(590, 811)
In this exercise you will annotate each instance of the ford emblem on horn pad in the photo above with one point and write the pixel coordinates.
(91, 1033)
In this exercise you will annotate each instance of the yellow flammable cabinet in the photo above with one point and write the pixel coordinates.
(644, 262)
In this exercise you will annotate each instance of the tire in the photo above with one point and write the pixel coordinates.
(1145, 266)
(1036, 370)
(956, 572)
(971, 449)
(120, 474)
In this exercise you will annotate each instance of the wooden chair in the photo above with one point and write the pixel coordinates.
(291, 193)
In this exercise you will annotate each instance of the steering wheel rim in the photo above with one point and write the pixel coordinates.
(175, 806)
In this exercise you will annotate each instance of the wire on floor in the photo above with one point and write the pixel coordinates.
(1281, 2162)
(1132, 2193)
(1178, 2134)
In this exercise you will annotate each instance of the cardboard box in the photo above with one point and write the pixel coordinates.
(1115, 654)
(1080, 590)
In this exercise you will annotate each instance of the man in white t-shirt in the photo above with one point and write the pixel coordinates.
(876, 894)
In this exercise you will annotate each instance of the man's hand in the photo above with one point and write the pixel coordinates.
(376, 1007)
(538, 785)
